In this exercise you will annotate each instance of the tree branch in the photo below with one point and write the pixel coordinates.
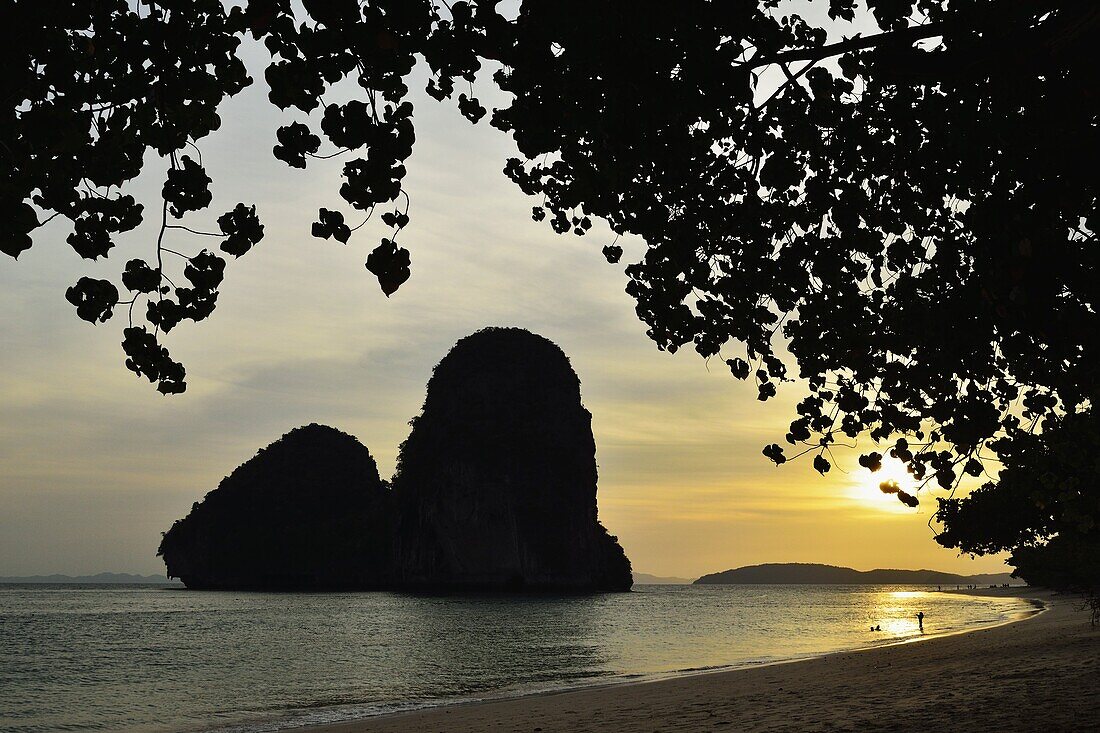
(906, 36)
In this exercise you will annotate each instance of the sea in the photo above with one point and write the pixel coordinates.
(148, 658)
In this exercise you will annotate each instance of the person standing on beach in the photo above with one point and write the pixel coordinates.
(920, 620)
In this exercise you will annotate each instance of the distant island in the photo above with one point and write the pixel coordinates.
(102, 578)
(495, 489)
(816, 574)
(647, 579)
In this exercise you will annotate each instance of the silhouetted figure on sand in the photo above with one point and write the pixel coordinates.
(920, 620)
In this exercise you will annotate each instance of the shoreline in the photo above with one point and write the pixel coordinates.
(666, 702)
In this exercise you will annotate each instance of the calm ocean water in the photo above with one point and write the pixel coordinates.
(140, 658)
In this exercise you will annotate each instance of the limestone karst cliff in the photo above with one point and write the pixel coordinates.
(496, 484)
(307, 512)
(495, 490)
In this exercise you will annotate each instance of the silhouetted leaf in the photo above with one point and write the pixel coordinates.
(295, 142)
(243, 228)
(165, 313)
(139, 277)
(738, 367)
(93, 299)
(331, 224)
(395, 219)
(871, 461)
(146, 357)
(844, 9)
(908, 499)
(187, 188)
(17, 220)
(196, 303)
(775, 453)
(205, 270)
(390, 264)
(470, 108)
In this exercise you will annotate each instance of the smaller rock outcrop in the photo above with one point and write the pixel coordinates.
(307, 512)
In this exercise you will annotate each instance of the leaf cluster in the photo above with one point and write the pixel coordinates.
(911, 214)
(95, 88)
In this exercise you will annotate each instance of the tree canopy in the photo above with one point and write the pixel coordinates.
(910, 212)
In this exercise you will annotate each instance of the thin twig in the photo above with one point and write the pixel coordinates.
(193, 231)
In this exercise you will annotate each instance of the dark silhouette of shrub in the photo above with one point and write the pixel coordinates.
(1067, 562)
(1044, 507)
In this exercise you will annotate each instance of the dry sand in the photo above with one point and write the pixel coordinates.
(1039, 674)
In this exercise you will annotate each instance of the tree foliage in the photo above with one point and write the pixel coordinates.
(1044, 507)
(910, 211)
(93, 87)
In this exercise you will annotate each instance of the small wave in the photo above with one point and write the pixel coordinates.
(708, 668)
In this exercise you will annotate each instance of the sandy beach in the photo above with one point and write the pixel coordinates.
(1041, 673)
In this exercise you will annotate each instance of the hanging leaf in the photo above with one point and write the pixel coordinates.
(390, 264)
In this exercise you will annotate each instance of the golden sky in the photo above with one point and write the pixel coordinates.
(95, 464)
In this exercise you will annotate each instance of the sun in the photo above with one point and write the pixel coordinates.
(865, 487)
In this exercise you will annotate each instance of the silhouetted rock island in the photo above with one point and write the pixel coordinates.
(496, 484)
(306, 512)
(495, 489)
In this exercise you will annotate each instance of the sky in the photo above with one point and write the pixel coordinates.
(95, 464)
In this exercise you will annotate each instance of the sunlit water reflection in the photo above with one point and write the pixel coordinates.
(149, 659)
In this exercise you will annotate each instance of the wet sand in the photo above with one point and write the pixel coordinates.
(1039, 674)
